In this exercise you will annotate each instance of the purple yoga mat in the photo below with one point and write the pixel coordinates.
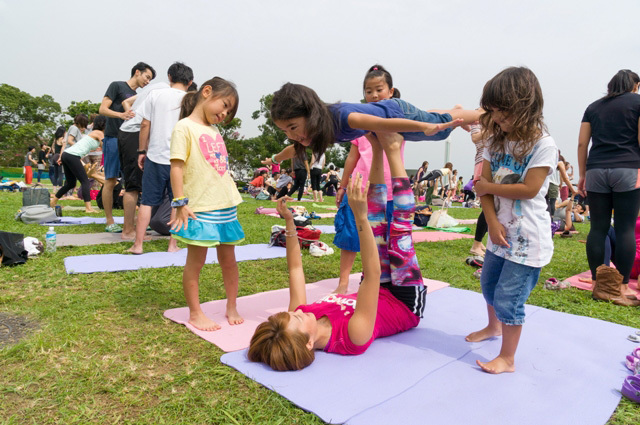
(568, 370)
(71, 221)
(124, 262)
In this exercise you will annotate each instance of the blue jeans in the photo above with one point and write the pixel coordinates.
(506, 286)
(415, 114)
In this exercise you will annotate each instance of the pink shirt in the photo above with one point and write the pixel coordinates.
(393, 317)
(364, 163)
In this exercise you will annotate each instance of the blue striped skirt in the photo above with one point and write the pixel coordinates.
(212, 228)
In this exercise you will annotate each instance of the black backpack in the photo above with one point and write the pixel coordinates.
(118, 202)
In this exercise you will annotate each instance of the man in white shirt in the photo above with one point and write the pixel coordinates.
(160, 113)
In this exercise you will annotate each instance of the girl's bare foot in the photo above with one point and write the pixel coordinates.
(203, 323)
(233, 317)
(497, 365)
(341, 289)
(483, 334)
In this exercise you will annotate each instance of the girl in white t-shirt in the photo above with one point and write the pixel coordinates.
(518, 158)
(206, 196)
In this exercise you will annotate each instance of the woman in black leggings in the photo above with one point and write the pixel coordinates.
(301, 171)
(610, 173)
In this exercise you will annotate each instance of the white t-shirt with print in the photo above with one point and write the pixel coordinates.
(526, 221)
(133, 125)
(162, 108)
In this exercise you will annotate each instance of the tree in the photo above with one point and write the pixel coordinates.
(86, 107)
(24, 121)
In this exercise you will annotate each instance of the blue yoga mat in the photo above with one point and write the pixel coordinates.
(568, 371)
(124, 262)
(72, 221)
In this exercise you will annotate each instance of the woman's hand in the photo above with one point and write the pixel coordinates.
(283, 210)
(182, 218)
(498, 234)
(581, 187)
(357, 196)
(481, 186)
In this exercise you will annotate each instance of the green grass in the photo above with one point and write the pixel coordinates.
(104, 353)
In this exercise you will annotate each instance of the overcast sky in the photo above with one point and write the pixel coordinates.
(439, 53)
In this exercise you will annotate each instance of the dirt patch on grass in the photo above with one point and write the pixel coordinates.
(13, 328)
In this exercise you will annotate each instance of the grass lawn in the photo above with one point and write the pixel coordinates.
(104, 354)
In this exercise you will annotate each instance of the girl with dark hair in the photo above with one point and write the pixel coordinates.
(332, 180)
(205, 195)
(73, 167)
(77, 130)
(518, 157)
(610, 174)
(390, 298)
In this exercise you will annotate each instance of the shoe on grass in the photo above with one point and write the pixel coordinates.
(113, 228)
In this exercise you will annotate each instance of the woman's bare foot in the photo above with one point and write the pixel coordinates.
(91, 211)
(483, 334)
(173, 245)
(587, 280)
(137, 251)
(497, 365)
(203, 323)
(233, 317)
(626, 291)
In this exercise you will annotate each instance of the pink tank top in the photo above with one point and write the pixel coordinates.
(393, 317)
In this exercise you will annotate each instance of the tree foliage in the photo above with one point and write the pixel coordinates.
(24, 121)
(86, 107)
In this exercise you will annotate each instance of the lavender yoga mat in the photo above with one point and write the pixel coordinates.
(256, 308)
(71, 221)
(155, 260)
(569, 370)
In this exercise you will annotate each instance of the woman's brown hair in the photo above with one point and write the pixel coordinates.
(516, 92)
(280, 349)
(219, 88)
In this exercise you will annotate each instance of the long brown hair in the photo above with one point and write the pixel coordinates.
(282, 350)
(294, 101)
(516, 92)
(219, 88)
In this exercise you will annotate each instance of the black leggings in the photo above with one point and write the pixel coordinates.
(73, 171)
(625, 206)
(481, 228)
(316, 174)
(298, 182)
(332, 182)
(469, 195)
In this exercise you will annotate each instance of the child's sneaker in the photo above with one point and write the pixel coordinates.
(555, 285)
(319, 249)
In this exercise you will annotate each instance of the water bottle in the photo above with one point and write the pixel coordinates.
(51, 240)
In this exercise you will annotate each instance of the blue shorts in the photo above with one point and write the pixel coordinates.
(345, 223)
(506, 286)
(155, 183)
(111, 157)
(412, 113)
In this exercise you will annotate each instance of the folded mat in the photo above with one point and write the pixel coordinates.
(84, 239)
(256, 308)
(437, 236)
(71, 221)
(568, 370)
(467, 220)
(454, 229)
(575, 281)
(156, 260)
(77, 208)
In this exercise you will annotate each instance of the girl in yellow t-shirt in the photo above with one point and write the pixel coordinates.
(206, 196)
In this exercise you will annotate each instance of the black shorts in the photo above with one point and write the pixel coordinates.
(128, 153)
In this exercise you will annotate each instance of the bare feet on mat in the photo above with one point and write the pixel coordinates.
(586, 280)
(233, 317)
(483, 334)
(173, 246)
(136, 251)
(203, 323)
(341, 289)
(91, 211)
(497, 365)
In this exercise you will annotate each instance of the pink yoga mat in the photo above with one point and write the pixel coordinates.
(438, 236)
(575, 281)
(257, 308)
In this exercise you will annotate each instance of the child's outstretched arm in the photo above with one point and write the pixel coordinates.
(364, 317)
(182, 213)
(286, 153)
(297, 290)
(397, 125)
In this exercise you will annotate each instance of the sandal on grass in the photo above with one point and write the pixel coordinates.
(631, 388)
(634, 337)
(477, 273)
(113, 228)
(633, 364)
(554, 285)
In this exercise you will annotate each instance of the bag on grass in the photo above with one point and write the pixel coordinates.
(37, 214)
(440, 219)
(306, 236)
(263, 196)
(36, 196)
(12, 250)
(422, 216)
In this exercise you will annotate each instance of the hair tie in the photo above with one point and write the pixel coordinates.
(375, 68)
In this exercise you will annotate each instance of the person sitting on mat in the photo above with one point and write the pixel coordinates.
(391, 296)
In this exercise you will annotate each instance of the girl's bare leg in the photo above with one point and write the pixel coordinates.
(494, 328)
(196, 256)
(230, 276)
(505, 362)
(347, 258)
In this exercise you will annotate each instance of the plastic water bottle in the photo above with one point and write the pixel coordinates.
(51, 240)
